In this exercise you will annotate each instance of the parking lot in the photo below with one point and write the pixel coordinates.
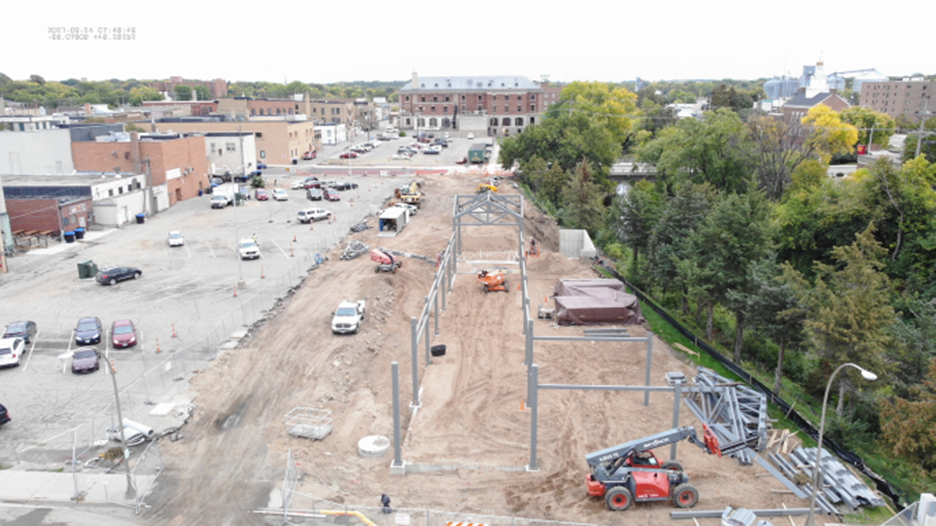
(184, 294)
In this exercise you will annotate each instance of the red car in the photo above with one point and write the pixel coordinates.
(313, 184)
(123, 334)
(332, 195)
(309, 155)
(462, 160)
(348, 155)
(261, 195)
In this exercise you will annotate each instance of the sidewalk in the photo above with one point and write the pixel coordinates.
(48, 486)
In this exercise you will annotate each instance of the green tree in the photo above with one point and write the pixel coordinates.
(849, 315)
(777, 152)
(37, 79)
(670, 240)
(639, 211)
(202, 92)
(712, 150)
(926, 143)
(553, 182)
(735, 234)
(909, 425)
(182, 92)
(533, 172)
(865, 119)
(916, 337)
(582, 201)
(139, 95)
(774, 311)
(610, 107)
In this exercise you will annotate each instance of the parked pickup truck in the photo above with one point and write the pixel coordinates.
(347, 319)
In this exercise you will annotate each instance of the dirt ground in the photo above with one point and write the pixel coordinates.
(234, 450)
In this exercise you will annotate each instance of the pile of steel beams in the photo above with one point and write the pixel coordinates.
(839, 483)
(733, 411)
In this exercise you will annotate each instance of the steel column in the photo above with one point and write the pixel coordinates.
(426, 337)
(649, 364)
(677, 398)
(397, 449)
(436, 302)
(415, 360)
(534, 408)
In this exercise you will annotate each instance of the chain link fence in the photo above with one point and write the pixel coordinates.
(88, 449)
(306, 506)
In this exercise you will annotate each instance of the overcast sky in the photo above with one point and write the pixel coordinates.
(319, 41)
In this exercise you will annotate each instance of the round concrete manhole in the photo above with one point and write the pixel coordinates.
(373, 446)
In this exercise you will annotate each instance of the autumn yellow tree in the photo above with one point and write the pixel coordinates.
(829, 133)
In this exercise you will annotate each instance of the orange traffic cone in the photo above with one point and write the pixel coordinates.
(292, 253)
(294, 238)
(311, 225)
(174, 335)
(235, 290)
(158, 350)
(262, 275)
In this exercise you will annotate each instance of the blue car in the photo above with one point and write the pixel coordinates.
(261, 166)
(88, 331)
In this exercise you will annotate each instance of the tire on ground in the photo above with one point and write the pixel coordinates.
(618, 498)
(685, 496)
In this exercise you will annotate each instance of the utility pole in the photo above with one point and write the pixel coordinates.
(131, 491)
(922, 133)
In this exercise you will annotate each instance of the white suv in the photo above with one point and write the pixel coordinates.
(313, 214)
(248, 249)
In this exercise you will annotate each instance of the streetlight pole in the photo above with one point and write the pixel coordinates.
(868, 375)
(131, 490)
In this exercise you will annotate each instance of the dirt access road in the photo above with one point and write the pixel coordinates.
(234, 451)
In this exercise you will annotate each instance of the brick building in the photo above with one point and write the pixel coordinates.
(246, 107)
(814, 91)
(508, 103)
(909, 96)
(217, 87)
(176, 165)
(277, 141)
(161, 108)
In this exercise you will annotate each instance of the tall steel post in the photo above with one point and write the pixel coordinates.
(131, 491)
(677, 398)
(534, 408)
(649, 364)
(426, 337)
(415, 360)
(437, 307)
(397, 448)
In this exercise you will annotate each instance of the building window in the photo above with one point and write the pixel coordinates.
(532, 120)
(518, 121)
(231, 147)
(408, 122)
(435, 99)
(519, 109)
(212, 146)
(422, 99)
(494, 122)
(120, 190)
(463, 107)
(480, 99)
(463, 97)
(532, 108)
(110, 193)
(433, 122)
(493, 109)
(253, 111)
(259, 135)
(532, 96)
(507, 98)
(421, 122)
(479, 107)
(446, 98)
(432, 109)
(263, 154)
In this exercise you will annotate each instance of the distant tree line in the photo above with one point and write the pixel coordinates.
(133, 92)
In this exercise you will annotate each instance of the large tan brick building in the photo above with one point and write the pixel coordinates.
(277, 141)
(899, 97)
(176, 165)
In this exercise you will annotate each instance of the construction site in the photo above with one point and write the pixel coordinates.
(472, 393)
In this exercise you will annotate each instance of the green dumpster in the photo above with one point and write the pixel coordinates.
(87, 269)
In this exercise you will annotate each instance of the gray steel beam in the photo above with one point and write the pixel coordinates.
(589, 339)
(582, 387)
(677, 397)
(781, 477)
(716, 514)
